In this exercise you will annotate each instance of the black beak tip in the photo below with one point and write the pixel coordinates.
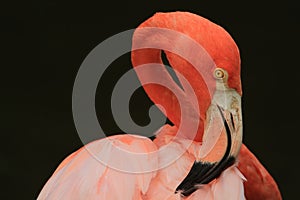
(204, 173)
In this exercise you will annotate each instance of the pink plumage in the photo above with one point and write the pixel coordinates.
(83, 176)
(134, 167)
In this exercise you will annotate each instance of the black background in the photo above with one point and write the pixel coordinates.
(44, 43)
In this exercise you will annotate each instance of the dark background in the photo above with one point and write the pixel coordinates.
(44, 43)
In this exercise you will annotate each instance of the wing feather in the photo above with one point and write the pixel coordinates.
(105, 169)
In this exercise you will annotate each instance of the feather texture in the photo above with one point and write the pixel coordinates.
(86, 174)
(90, 173)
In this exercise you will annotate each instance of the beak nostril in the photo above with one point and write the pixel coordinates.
(232, 121)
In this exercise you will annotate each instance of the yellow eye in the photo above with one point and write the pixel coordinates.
(219, 73)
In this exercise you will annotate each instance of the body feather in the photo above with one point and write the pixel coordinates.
(87, 173)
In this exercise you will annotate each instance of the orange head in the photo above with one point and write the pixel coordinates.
(216, 42)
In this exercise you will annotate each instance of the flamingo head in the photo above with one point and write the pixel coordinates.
(206, 61)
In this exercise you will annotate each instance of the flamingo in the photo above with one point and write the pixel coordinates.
(212, 163)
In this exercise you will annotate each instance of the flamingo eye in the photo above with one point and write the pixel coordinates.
(219, 73)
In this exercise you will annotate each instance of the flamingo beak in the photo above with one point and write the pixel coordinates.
(223, 126)
(222, 136)
(222, 140)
